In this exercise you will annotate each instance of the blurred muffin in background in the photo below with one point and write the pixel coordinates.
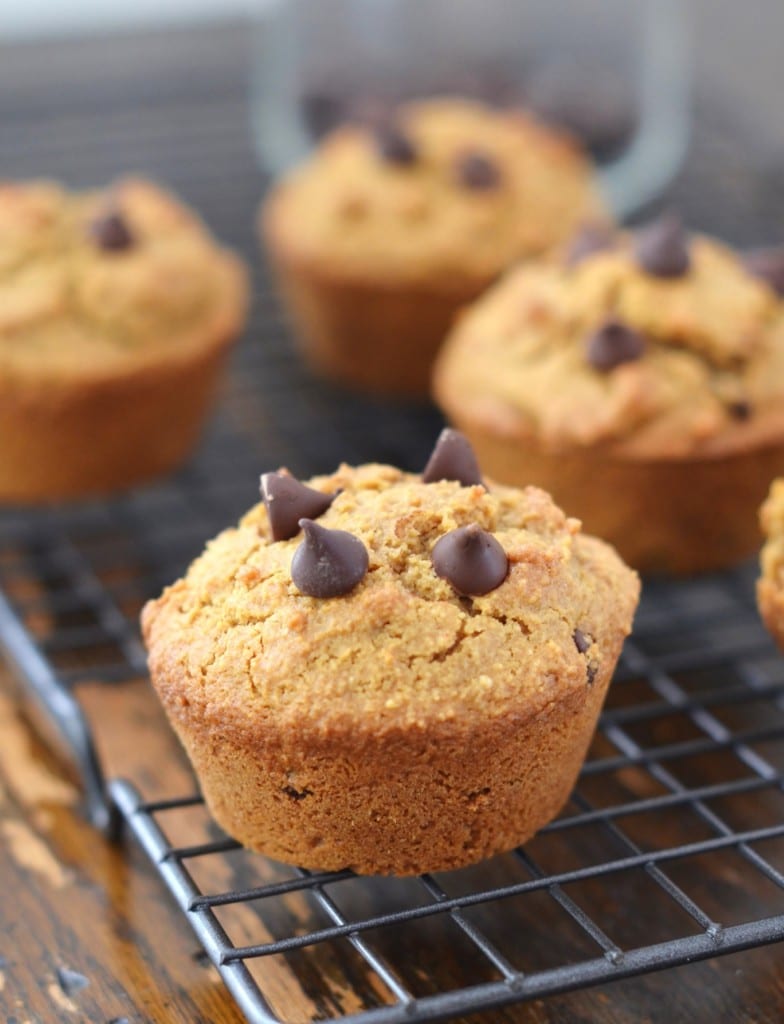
(640, 379)
(770, 585)
(117, 310)
(392, 226)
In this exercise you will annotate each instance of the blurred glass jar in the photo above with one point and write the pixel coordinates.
(612, 72)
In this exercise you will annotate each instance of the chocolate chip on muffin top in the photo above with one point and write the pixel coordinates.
(655, 343)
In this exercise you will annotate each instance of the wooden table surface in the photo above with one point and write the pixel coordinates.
(88, 933)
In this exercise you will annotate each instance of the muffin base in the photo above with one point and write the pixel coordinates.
(69, 439)
(366, 335)
(673, 516)
(431, 797)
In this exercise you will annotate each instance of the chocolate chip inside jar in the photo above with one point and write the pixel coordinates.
(612, 344)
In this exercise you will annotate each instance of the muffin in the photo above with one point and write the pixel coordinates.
(770, 586)
(640, 380)
(388, 671)
(381, 237)
(117, 310)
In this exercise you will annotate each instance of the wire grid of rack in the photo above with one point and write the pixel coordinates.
(672, 846)
(671, 850)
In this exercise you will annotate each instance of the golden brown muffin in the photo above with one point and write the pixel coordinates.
(382, 236)
(407, 722)
(770, 586)
(641, 381)
(117, 309)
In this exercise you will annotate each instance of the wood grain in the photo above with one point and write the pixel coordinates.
(89, 907)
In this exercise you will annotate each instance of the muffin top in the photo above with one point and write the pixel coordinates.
(100, 281)
(448, 192)
(654, 345)
(426, 622)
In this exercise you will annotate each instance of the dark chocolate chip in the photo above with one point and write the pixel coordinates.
(662, 248)
(471, 559)
(612, 344)
(296, 794)
(287, 501)
(589, 239)
(768, 265)
(328, 563)
(582, 641)
(740, 410)
(394, 145)
(119, 1020)
(452, 459)
(591, 672)
(476, 170)
(111, 232)
(70, 981)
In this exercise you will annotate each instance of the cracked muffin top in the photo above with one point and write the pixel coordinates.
(100, 281)
(447, 192)
(656, 344)
(409, 639)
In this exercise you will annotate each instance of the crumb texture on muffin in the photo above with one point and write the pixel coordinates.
(401, 727)
(482, 189)
(604, 354)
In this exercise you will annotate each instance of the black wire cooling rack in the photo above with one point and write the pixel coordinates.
(671, 849)
(672, 846)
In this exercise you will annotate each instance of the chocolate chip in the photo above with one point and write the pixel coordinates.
(296, 794)
(70, 981)
(287, 501)
(591, 672)
(740, 410)
(582, 641)
(476, 170)
(662, 248)
(612, 344)
(111, 232)
(589, 239)
(768, 265)
(394, 145)
(452, 458)
(328, 563)
(471, 559)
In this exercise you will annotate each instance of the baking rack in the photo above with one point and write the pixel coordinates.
(671, 849)
(672, 846)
